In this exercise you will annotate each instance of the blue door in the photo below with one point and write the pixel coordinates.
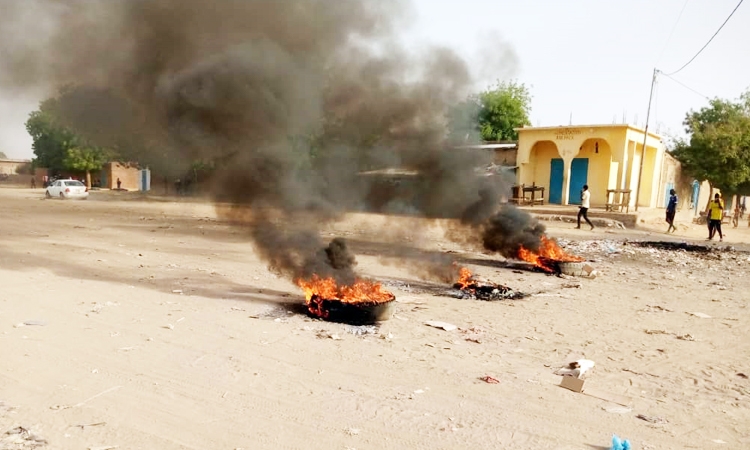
(556, 181)
(696, 196)
(667, 188)
(579, 171)
(579, 175)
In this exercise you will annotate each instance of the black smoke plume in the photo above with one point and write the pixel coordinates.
(505, 230)
(290, 99)
(510, 229)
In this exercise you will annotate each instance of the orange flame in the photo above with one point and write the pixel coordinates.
(465, 278)
(548, 249)
(318, 289)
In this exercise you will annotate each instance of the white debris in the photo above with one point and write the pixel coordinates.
(576, 368)
(442, 325)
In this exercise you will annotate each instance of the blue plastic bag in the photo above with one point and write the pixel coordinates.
(619, 444)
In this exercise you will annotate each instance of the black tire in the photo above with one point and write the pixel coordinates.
(46, 194)
(62, 196)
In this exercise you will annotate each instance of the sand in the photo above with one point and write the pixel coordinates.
(151, 325)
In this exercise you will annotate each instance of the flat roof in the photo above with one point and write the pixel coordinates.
(15, 160)
(616, 125)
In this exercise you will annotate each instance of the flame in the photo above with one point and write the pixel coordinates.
(549, 250)
(318, 289)
(465, 278)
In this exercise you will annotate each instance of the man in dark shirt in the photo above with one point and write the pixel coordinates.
(671, 211)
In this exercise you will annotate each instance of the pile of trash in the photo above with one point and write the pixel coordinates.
(603, 247)
(664, 254)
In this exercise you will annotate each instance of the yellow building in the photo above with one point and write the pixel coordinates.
(563, 159)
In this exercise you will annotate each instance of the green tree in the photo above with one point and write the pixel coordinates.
(57, 143)
(718, 147)
(492, 115)
(85, 159)
(50, 140)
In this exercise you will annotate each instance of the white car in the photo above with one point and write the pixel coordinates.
(65, 189)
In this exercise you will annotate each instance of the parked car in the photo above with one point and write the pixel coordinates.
(65, 189)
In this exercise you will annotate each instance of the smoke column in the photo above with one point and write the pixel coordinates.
(506, 230)
(291, 99)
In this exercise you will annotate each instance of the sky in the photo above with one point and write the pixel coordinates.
(585, 61)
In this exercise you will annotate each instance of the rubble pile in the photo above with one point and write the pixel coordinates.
(662, 254)
(486, 292)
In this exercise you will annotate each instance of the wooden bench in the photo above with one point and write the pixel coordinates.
(526, 195)
(623, 203)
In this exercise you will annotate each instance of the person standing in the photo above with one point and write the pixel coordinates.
(119, 183)
(715, 215)
(671, 210)
(583, 211)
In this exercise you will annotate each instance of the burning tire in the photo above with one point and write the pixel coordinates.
(360, 313)
(469, 288)
(361, 303)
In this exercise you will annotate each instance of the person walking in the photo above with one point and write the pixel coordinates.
(583, 211)
(715, 215)
(736, 216)
(671, 211)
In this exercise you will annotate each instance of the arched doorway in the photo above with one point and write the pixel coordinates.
(593, 165)
(540, 170)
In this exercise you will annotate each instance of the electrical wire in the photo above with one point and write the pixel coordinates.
(674, 27)
(709, 41)
(685, 86)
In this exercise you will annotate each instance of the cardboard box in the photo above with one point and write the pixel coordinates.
(577, 385)
(572, 383)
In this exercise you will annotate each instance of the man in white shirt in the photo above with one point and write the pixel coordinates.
(585, 205)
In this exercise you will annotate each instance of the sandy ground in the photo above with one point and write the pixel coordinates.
(158, 326)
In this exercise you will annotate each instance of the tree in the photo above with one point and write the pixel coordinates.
(85, 159)
(57, 143)
(50, 139)
(718, 148)
(492, 114)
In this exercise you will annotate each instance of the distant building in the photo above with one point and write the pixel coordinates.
(131, 176)
(606, 157)
(10, 166)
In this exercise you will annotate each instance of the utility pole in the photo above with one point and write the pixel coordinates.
(645, 139)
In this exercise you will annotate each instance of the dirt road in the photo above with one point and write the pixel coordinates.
(151, 325)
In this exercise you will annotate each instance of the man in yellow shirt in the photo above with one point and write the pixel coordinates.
(715, 215)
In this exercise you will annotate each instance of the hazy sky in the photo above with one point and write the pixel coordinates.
(589, 58)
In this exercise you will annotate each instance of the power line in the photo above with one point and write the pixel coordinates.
(685, 86)
(709, 41)
(674, 27)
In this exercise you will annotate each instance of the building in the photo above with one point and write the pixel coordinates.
(11, 166)
(129, 175)
(563, 159)
(693, 195)
(503, 153)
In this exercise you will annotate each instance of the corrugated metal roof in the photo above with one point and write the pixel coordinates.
(489, 146)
